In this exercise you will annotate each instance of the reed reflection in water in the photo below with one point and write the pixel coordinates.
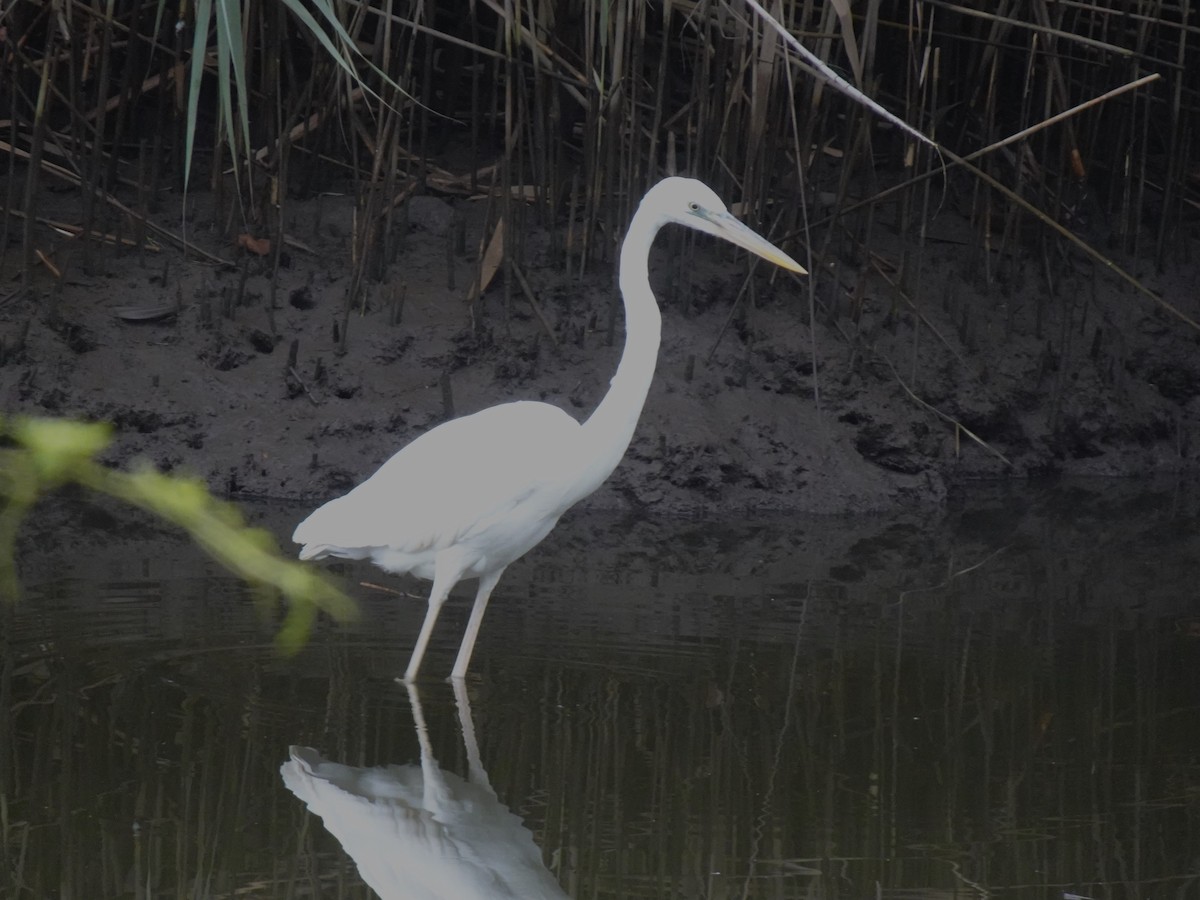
(1004, 704)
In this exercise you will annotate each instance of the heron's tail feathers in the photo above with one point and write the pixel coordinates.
(320, 551)
(331, 530)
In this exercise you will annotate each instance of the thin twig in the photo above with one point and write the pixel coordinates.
(959, 426)
(70, 177)
(300, 381)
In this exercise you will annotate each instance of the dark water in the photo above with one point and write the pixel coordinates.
(1002, 701)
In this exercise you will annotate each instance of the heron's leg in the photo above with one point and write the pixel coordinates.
(486, 584)
(445, 576)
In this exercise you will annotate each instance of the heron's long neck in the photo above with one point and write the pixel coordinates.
(610, 428)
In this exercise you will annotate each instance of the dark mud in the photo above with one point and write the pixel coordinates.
(872, 406)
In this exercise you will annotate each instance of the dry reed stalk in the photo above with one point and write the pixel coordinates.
(37, 143)
(10, 181)
(67, 229)
(1005, 21)
(1000, 143)
(705, 89)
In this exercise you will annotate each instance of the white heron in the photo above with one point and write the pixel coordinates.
(470, 496)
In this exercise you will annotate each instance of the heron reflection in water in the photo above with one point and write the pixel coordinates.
(422, 833)
(467, 498)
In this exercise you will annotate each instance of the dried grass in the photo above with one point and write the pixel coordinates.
(570, 113)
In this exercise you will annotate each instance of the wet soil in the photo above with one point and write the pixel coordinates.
(1053, 364)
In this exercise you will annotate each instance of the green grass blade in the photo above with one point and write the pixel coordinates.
(199, 50)
(231, 75)
(296, 7)
(342, 57)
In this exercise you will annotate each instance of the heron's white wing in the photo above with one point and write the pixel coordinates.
(462, 476)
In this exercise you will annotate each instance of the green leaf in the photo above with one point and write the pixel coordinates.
(296, 628)
(296, 7)
(199, 51)
(60, 448)
(342, 58)
(218, 527)
(50, 452)
(231, 73)
(231, 63)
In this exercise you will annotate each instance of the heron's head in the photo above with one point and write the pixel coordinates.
(689, 202)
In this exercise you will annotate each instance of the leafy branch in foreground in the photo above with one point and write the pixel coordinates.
(49, 453)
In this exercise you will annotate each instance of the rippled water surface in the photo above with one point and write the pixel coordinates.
(1003, 700)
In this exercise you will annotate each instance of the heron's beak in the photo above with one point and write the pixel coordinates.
(736, 233)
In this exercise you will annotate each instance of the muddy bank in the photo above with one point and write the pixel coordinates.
(871, 406)
(991, 548)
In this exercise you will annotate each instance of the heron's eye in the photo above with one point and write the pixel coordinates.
(693, 206)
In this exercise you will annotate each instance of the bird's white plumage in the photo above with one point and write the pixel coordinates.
(476, 493)
(450, 488)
